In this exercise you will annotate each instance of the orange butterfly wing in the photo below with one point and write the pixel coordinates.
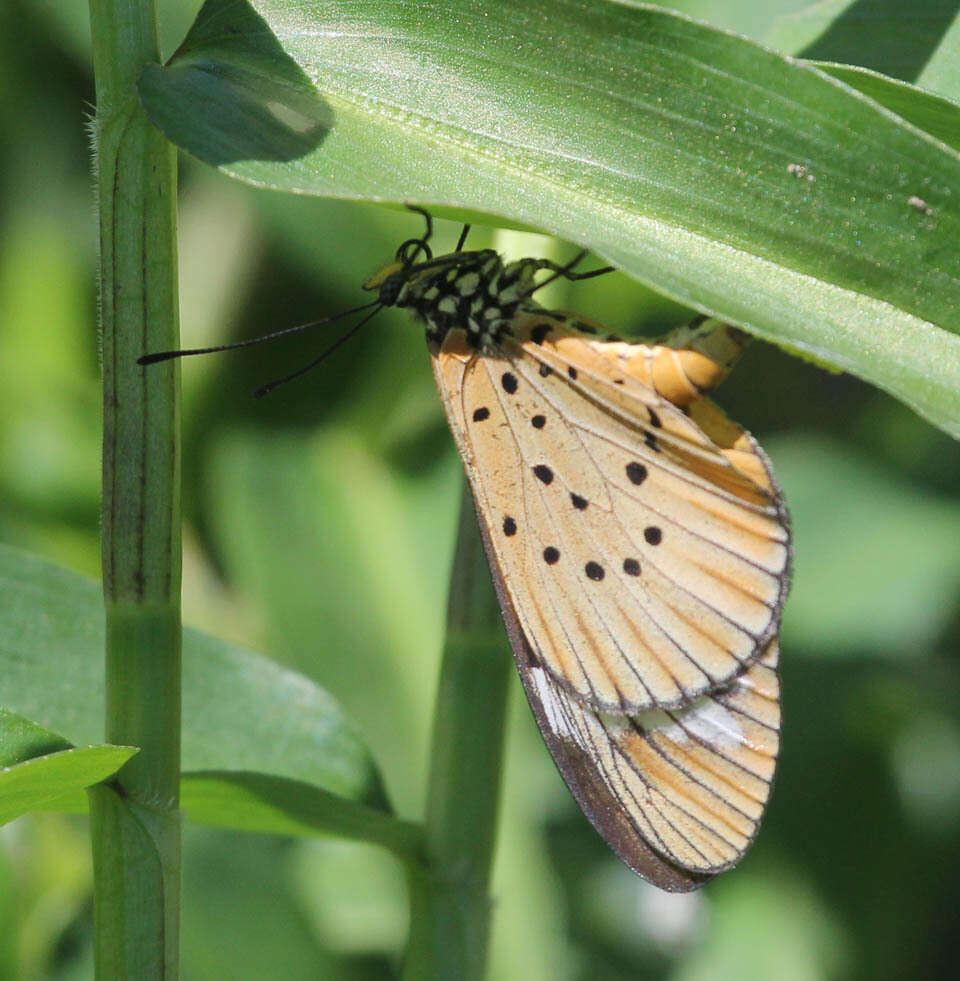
(644, 565)
(658, 698)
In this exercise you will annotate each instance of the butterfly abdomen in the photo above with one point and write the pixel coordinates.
(690, 361)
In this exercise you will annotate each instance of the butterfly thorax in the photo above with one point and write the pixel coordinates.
(472, 291)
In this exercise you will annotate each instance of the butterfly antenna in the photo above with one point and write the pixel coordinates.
(463, 238)
(270, 386)
(169, 355)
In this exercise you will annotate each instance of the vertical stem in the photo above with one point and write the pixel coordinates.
(450, 906)
(135, 822)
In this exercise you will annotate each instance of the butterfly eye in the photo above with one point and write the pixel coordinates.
(390, 289)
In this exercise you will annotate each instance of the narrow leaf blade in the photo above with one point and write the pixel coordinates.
(56, 781)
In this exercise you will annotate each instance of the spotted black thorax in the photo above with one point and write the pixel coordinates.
(474, 291)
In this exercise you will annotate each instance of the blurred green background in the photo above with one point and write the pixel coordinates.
(319, 531)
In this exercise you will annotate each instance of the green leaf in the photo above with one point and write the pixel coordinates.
(933, 114)
(336, 510)
(259, 802)
(912, 41)
(241, 712)
(21, 739)
(726, 176)
(56, 781)
(254, 102)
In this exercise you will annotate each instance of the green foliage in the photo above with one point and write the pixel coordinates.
(53, 781)
(320, 522)
(241, 713)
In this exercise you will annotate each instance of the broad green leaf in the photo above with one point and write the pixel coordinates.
(257, 105)
(259, 802)
(245, 919)
(371, 538)
(56, 781)
(755, 19)
(736, 180)
(241, 712)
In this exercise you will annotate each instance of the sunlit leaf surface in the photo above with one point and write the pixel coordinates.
(729, 177)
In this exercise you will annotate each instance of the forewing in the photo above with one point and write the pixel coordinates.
(645, 567)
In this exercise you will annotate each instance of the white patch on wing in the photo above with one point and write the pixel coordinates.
(712, 723)
(553, 706)
(656, 720)
(704, 719)
(616, 725)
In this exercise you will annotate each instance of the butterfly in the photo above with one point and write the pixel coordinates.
(639, 546)
(638, 542)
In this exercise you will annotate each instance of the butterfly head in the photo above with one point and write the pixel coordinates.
(390, 280)
(406, 280)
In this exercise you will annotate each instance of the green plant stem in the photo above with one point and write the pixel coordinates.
(135, 822)
(450, 906)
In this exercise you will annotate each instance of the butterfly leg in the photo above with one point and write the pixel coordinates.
(564, 271)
